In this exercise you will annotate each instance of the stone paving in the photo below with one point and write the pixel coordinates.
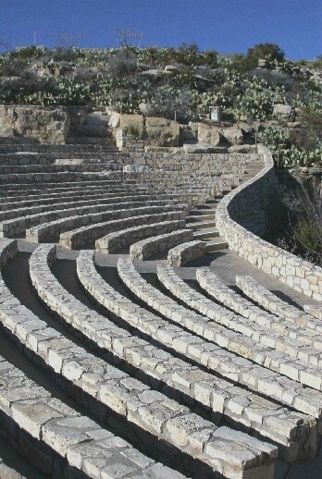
(193, 364)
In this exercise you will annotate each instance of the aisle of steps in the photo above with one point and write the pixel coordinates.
(109, 373)
(202, 217)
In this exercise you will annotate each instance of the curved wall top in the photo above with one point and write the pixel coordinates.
(247, 213)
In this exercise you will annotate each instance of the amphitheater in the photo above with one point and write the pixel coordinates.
(147, 329)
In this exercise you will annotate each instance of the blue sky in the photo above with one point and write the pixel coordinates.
(227, 26)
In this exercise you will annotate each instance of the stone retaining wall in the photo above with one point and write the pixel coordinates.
(247, 213)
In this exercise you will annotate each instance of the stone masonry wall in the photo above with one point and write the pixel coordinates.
(246, 213)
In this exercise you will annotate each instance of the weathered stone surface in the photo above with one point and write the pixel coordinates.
(47, 125)
(209, 134)
(132, 124)
(233, 135)
(162, 132)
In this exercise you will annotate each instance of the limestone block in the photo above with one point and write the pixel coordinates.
(132, 124)
(233, 135)
(47, 125)
(162, 132)
(209, 134)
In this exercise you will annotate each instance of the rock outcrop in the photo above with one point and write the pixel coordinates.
(45, 125)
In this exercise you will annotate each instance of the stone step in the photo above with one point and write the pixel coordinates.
(206, 233)
(202, 211)
(193, 218)
(199, 225)
(216, 245)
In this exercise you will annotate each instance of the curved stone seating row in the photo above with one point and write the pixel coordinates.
(71, 435)
(185, 252)
(189, 379)
(162, 417)
(71, 203)
(280, 360)
(220, 349)
(58, 198)
(154, 245)
(268, 300)
(56, 149)
(89, 448)
(113, 178)
(25, 158)
(118, 240)
(35, 178)
(55, 168)
(69, 192)
(305, 345)
(314, 310)
(215, 288)
(80, 230)
(20, 224)
(218, 394)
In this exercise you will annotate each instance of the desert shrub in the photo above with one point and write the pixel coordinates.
(172, 103)
(28, 53)
(13, 67)
(17, 90)
(258, 99)
(304, 232)
(268, 51)
(311, 121)
(286, 153)
(67, 54)
(122, 63)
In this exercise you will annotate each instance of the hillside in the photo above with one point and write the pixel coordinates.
(280, 98)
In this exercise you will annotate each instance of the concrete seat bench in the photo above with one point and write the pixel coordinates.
(78, 234)
(155, 245)
(279, 354)
(118, 240)
(268, 300)
(221, 337)
(185, 252)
